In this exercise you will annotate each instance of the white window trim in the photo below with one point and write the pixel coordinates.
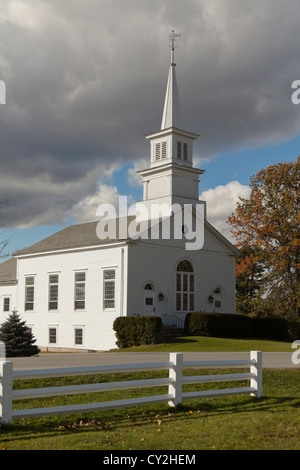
(75, 272)
(108, 268)
(6, 296)
(57, 273)
(34, 292)
(79, 327)
(181, 292)
(54, 327)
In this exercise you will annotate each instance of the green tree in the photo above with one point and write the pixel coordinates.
(268, 222)
(18, 339)
(249, 274)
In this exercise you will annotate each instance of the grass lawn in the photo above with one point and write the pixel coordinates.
(223, 423)
(204, 344)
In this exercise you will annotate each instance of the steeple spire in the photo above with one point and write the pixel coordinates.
(172, 113)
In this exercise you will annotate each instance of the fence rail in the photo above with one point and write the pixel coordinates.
(175, 382)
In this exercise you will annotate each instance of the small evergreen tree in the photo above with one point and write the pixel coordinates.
(18, 339)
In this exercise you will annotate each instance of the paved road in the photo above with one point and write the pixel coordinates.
(57, 360)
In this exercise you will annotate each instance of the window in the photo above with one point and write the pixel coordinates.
(179, 150)
(164, 150)
(53, 292)
(148, 286)
(161, 150)
(185, 152)
(6, 304)
(29, 293)
(80, 291)
(52, 335)
(149, 298)
(78, 332)
(218, 299)
(182, 150)
(157, 152)
(185, 287)
(109, 288)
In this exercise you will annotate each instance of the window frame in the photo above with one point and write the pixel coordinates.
(27, 287)
(54, 328)
(5, 309)
(76, 329)
(51, 309)
(79, 304)
(184, 288)
(112, 281)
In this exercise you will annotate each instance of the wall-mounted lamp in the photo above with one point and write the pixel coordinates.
(161, 296)
(210, 299)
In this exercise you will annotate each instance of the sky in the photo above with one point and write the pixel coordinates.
(85, 82)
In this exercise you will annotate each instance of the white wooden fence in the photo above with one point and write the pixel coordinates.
(174, 381)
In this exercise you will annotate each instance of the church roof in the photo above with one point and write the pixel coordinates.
(83, 236)
(74, 236)
(172, 112)
(8, 271)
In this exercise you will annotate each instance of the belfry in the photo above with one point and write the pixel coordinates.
(171, 178)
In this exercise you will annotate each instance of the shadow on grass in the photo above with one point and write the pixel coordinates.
(134, 418)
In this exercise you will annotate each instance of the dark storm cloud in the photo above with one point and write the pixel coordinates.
(86, 80)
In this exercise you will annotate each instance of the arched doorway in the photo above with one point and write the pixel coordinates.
(149, 299)
(185, 282)
(218, 299)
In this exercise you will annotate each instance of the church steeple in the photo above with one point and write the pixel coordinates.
(171, 177)
(172, 112)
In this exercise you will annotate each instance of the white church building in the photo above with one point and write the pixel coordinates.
(71, 286)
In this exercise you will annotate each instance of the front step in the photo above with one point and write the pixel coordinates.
(168, 331)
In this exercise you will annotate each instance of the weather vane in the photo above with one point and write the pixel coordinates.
(172, 43)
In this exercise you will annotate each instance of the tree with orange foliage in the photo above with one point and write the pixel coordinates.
(268, 223)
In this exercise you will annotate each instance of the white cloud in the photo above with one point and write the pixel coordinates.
(86, 80)
(85, 210)
(133, 178)
(221, 203)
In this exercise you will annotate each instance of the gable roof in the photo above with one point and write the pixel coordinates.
(85, 236)
(74, 236)
(8, 271)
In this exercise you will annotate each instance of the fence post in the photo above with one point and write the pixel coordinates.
(257, 370)
(6, 379)
(176, 373)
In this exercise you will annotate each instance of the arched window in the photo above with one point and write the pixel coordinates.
(218, 299)
(149, 298)
(148, 286)
(184, 287)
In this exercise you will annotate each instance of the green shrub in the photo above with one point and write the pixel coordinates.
(135, 331)
(218, 325)
(271, 327)
(294, 330)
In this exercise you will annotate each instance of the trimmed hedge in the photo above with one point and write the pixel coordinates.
(271, 327)
(294, 330)
(220, 325)
(134, 331)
